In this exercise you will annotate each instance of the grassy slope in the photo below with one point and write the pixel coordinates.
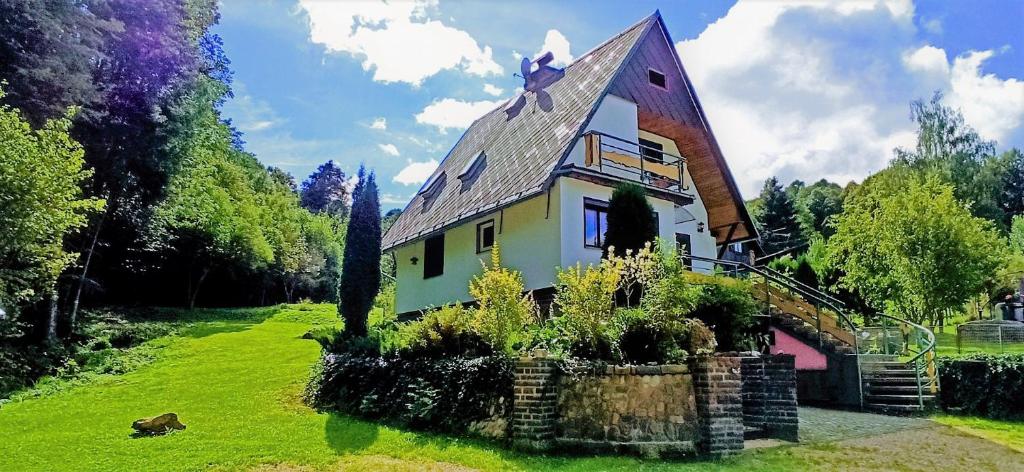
(236, 383)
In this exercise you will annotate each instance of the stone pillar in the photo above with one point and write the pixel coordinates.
(535, 403)
(780, 412)
(753, 394)
(717, 386)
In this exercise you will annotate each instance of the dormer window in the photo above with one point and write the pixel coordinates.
(432, 190)
(473, 170)
(656, 79)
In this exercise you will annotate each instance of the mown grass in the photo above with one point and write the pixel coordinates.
(235, 378)
(1007, 433)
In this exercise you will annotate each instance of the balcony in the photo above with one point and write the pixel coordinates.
(614, 156)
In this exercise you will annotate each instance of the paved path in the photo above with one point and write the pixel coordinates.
(821, 425)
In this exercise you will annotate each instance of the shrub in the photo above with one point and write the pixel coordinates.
(728, 308)
(503, 311)
(983, 384)
(662, 340)
(585, 298)
(439, 394)
(444, 332)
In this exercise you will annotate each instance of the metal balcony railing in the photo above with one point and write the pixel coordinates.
(618, 157)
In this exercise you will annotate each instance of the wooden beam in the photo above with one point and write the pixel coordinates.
(728, 238)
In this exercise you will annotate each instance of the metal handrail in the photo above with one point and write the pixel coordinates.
(678, 161)
(808, 293)
(929, 367)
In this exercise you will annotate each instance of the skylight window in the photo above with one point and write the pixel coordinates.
(472, 171)
(656, 78)
(432, 189)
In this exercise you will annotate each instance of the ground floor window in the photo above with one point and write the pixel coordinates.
(683, 246)
(433, 256)
(484, 236)
(595, 222)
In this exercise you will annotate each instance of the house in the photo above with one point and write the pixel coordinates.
(538, 182)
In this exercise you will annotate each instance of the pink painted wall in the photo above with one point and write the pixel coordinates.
(807, 358)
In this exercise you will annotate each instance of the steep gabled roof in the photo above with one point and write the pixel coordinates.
(521, 152)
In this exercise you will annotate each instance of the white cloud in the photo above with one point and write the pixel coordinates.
(491, 89)
(415, 172)
(388, 149)
(395, 199)
(793, 89)
(379, 123)
(927, 59)
(399, 40)
(449, 113)
(558, 44)
(993, 106)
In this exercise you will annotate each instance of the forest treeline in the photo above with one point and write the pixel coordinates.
(121, 182)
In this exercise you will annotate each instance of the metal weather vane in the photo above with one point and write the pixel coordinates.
(535, 81)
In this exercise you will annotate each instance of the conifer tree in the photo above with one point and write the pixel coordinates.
(631, 220)
(360, 271)
(777, 219)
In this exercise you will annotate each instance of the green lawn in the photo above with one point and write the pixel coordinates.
(235, 380)
(945, 345)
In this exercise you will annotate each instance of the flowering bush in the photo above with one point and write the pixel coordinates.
(503, 312)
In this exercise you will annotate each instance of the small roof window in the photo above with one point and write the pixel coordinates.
(432, 190)
(473, 170)
(656, 78)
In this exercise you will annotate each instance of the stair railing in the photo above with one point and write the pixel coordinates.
(813, 295)
(915, 341)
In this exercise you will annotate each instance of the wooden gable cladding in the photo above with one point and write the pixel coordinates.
(672, 112)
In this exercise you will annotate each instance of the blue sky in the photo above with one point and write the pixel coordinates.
(798, 90)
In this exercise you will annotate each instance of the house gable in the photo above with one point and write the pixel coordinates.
(674, 112)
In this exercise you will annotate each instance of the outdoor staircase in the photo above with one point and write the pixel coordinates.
(895, 361)
(894, 387)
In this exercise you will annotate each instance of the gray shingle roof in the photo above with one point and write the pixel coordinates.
(522, 152)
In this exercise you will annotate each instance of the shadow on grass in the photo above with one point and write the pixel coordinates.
(349, 435)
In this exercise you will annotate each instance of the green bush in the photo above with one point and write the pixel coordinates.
(440, 394)
(445, 332)
(585, 300)
(646, 339)
(983, 384)
(503, 312)
(728, 308)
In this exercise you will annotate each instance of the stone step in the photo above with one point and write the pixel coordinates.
(884, 389)
(896, 399)
(889, 373)
(897, 409)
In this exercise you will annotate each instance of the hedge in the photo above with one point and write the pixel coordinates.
(984, 385)
(436, 394)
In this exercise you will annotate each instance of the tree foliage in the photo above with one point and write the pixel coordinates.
(360, 275)
(631, 220)
(41, 172)
(325, 191)
(907, 245)
(777, 219)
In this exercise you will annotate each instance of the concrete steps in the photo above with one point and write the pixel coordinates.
(891, 387)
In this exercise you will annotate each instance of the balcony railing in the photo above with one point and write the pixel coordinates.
(618, 157)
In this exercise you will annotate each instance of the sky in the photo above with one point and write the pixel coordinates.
(794, 89)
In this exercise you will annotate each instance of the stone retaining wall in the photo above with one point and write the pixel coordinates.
(705, 406)
(651, 408)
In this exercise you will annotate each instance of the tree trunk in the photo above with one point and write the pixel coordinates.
(199, 283)
(81, 279)
(51, 325)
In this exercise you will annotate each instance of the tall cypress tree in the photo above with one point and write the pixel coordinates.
(777, 219)
(360, 270)
(630, 219)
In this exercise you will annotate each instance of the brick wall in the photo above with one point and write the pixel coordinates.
(770, 396)
(718, 393)
(535, 400)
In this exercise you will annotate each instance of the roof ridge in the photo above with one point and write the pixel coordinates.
(592, 50)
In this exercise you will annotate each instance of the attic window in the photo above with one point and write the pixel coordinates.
(432, 189)
(473, 169)
(656, 78)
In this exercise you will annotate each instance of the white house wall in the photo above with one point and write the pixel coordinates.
(615, 116)
(528, 240)
(704, 244)
(573, 192)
